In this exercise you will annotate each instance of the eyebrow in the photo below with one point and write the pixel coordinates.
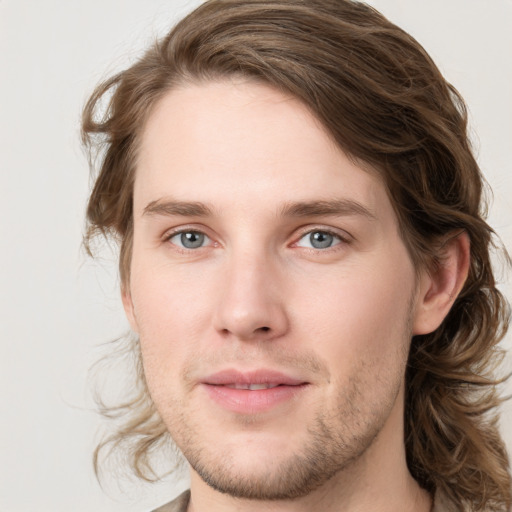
(180, 208)
(321, 208)
(334, 208)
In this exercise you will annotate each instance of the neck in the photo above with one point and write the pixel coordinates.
(379, 480)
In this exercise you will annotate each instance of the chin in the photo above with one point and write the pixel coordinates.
(270, 480)
(269, 468)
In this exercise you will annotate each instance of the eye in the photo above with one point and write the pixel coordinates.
(189, 239)
(319, 240)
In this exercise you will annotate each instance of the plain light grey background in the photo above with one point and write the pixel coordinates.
(56, 306)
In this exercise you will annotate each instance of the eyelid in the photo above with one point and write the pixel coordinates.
(170, 233)
(343, 235)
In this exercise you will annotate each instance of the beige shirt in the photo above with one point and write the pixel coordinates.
(180, 504)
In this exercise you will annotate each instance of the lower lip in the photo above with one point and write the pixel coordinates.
(245, 401)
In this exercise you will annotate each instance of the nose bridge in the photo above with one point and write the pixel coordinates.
(250, 305)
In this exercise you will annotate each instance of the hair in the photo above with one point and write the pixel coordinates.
(386, 104)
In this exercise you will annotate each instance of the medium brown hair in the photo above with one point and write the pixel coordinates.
(385, 102)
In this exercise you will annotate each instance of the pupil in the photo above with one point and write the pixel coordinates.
(321, 240)
(192, 239)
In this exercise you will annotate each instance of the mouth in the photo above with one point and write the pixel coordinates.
(252, 392)
(254, 379)
(252, 387)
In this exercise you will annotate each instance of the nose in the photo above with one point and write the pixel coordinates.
(251, 303)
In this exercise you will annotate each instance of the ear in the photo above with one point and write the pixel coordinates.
(439, 287)
(126, 297)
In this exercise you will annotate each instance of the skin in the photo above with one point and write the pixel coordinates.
(258, 293)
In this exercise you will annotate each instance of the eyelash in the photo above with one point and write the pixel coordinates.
(169, 235)
(343, 239)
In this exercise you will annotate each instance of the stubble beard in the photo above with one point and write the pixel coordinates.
(333, 444)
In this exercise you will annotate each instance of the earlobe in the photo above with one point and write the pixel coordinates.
(439, 287)
(129, 309)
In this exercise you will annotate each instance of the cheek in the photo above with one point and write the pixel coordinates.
(362, 332)
(171, 313)
(168, 299)
(362, 310)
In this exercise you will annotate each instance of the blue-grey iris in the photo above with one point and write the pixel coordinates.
(192, 239)
(321, 239)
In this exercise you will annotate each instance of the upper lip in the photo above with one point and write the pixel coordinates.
(261, 376)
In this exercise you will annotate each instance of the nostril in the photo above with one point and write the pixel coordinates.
(265, 329)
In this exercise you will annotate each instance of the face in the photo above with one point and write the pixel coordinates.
(270, 288)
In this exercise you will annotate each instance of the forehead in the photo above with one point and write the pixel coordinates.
(239, 143)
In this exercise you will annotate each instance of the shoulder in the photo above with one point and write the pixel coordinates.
(177, 505)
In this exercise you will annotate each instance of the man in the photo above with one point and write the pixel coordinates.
(305, 264)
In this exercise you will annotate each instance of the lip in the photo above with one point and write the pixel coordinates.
(261, 376)
(223, 388)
